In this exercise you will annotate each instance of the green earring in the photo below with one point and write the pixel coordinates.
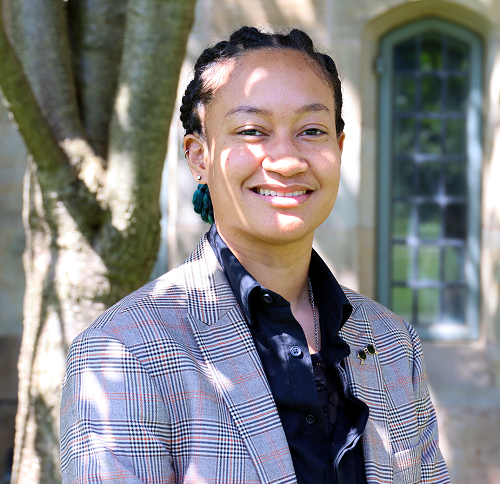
(202, 203)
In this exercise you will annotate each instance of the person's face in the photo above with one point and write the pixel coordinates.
(271, 156)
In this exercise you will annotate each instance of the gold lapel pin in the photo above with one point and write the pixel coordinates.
(370, 349)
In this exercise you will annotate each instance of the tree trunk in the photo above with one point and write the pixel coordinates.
(94, 108)
(67, 286)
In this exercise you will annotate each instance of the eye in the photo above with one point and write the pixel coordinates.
(313, 132)
(251, 132)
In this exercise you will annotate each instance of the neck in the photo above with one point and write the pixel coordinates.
(280, 268)
(283, 269)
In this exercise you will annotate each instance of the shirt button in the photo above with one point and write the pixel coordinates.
(267, 298)
(295, 351)
(310, 419)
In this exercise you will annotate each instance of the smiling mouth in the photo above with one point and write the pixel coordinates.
(271, 193)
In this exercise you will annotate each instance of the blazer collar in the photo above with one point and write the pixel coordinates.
(232, 361)
(209, 294)
(367, 381)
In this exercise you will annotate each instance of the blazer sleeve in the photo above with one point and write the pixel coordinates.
(114, 425)
(433, 468)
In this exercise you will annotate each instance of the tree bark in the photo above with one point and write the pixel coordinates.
(94, 109)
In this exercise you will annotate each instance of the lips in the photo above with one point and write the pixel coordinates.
(272, 193)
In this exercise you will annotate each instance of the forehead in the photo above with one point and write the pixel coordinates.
(268, 75)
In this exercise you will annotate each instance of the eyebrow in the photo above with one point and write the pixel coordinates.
(316, 107)
(249, 110)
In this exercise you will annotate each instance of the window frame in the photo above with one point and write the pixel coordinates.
(385, 68)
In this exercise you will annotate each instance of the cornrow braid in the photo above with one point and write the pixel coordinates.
(246, 39)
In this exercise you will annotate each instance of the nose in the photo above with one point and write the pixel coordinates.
(284, 157)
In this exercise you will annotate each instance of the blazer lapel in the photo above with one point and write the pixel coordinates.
(366, 381)
(233, 362)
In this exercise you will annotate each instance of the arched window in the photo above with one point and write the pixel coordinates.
(429, 177)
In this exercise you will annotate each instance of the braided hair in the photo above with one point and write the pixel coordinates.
(200, 90)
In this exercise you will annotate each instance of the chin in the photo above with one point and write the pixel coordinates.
(283, 231)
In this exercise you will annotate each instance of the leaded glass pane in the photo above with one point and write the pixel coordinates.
(428, 305)
(454, 221)
(458, 55)
(453, 264)
(457, 93)
(401, 262)
(455, 181)
(431, 93)
(428, 263)
(431, 55)
(402, 302)
(405, 55)
(429, 178)
(454, 304)
(404, 172)
(430, 136)
(429, 218)
(405, 93)
(401, 221)
(404, 136)
(455, 140)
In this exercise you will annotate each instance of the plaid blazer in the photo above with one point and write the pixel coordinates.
(167, 387)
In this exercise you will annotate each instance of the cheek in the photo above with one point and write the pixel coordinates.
(244, 155)
(331, 171)
(256, 151)
(235, 165)
(336, 180)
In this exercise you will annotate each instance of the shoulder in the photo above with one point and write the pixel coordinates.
(167, 291)
(374, 311)
(162, 304)
(373, 322)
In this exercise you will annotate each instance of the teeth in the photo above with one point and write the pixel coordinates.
(272, 193)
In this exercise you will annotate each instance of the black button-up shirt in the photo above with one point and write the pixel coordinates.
(323, 435)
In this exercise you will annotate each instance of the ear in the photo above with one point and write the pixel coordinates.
(196, 151)
(340, 141)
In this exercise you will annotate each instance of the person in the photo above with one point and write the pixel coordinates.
(249, 363)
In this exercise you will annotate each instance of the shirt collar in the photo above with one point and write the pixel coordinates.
(241, 281)
(333, 306)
